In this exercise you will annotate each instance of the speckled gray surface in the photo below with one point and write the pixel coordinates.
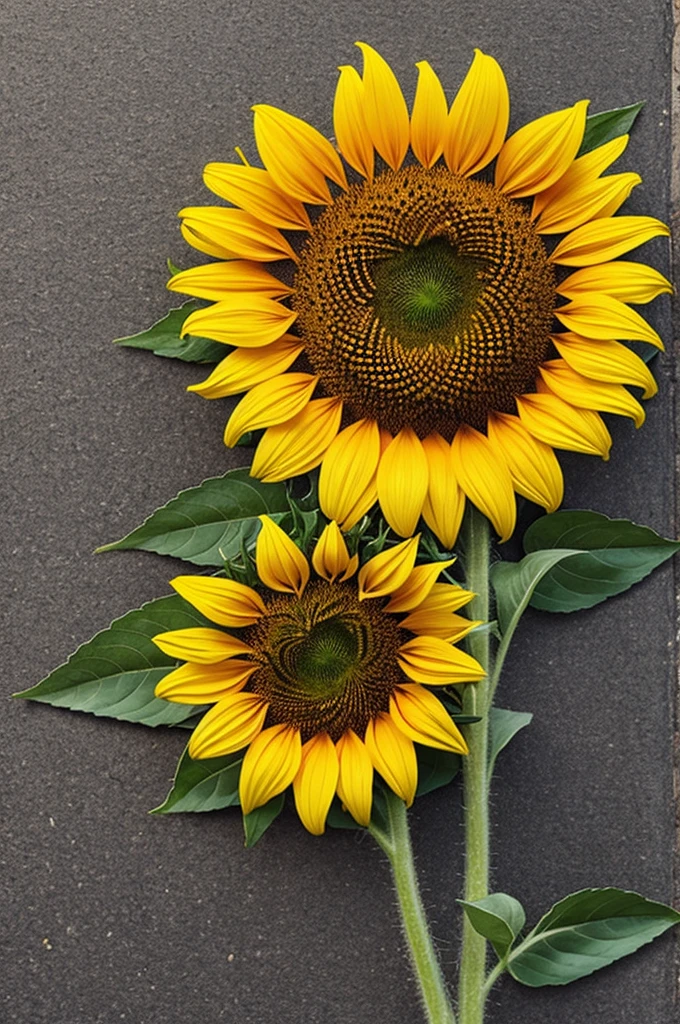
(109, 112)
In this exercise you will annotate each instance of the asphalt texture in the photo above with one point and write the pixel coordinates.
(109, 112)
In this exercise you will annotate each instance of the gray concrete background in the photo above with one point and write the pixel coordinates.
(109, 112)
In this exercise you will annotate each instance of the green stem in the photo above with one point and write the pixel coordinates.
(477, 699)
(395, 842)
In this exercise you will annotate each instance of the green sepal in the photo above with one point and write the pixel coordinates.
(208, 784)
(115, 673)
(614, 554)
(515, 582)
(498, 918)
(608, 125)
(208, 524)
(258, 821)
(586, 931)
(503, 726)
(163, 339)
(436, 768)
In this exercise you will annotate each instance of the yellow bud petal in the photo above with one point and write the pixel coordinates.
(428, 118)
(270, 764)
(385, 108)
(280, 563)
(479, 116)
(315, 782)
(388, 570)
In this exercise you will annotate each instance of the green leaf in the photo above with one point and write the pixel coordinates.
(514, 584)
(208, 524)
(586, 931)
(163, 339)
(604, 127)
(499, 918)
(503, 725)
(258, 821)
(614, 555)
(436, 768)
(206, 785)
(115, 673)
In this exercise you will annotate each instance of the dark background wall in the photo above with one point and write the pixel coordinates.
(109, 112)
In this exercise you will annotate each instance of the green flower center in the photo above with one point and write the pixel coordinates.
(426, 293)
(327, 661)
(324, 659)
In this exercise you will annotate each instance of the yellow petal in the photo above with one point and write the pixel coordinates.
(201, 645)
(385, 108)
(249, 320)
(606, 361)
(485, 479)
(627, 281)
(229, 726)
(600, 198)
(560, 425)
(602, 317)
(585, 169)
(270, 764)
(393, 755)
(205, 684)
(423, 718)
(416, 588)
(280, 563)
(428, 117)
(299, 444)
(245, 367)
(445, 501)
(604, 239)
(315, 782)
(217, 281)
(273, 401)
(479, 115)
(402, 482)
(533, 466)
(237, 232)
(445, 597)
(355, 779)
(349, 122)
(296, 155)
(347, 475)
(226, 602)
(254, 190)
(584, 393)
(331, 557)
(429, 660)
(196, 237)
(444, 625)
(539, 153)
(388, 570)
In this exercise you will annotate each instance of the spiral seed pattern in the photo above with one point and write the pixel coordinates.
(494, 295)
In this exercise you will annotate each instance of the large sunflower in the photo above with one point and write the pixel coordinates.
(322, 683)
(447, 349)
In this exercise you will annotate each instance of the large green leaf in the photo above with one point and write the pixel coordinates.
(163, 339)
(499, 918)
(586, 931)
(258, 821)
(514, 584)
(205, 785)
(614, 555)
(503, 725)
(115, 673)
(603, 127)
(208, 524)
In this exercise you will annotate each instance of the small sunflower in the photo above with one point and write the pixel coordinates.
(443, 352)
(324, 682)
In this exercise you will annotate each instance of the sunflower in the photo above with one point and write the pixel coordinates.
(446, 342)
(323, 683)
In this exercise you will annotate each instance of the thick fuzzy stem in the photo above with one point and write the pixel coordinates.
(395, 841)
